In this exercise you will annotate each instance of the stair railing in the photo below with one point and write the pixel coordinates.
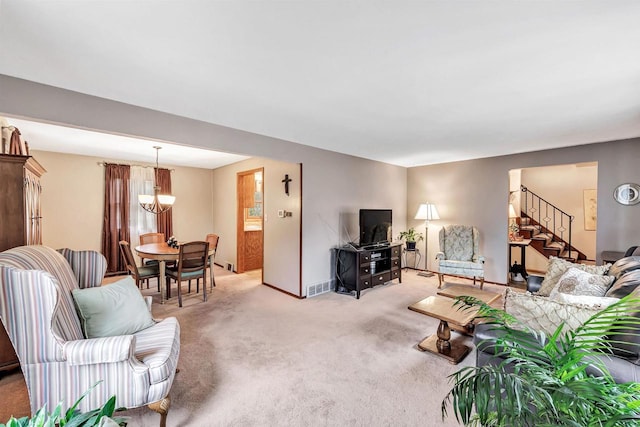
(553, 215)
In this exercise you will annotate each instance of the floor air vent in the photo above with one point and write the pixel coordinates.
(320, 288)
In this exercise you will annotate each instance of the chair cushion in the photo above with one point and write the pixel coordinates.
(148, 271)
(465, 265)
(158, 347)
(115, 309)
(185, 274)
(458, 243)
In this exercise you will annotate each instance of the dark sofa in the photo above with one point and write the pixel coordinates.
(624, 365)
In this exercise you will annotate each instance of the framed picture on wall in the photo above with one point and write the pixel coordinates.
(590, 209)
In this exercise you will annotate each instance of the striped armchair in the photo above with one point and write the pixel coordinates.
(88, 266)
(458, 254)
(59, 364)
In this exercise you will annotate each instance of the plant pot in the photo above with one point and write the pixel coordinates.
(411, 246)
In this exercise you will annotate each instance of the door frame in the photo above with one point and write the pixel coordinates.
(240, 240)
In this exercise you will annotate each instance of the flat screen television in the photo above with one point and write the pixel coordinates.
(375, 227)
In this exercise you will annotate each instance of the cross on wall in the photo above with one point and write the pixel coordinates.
(286, 181)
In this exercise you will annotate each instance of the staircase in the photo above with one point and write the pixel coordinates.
(548, 227)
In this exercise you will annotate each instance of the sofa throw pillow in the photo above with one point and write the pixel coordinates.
(544, 314)
(558, 266)
(577, 282)
(624, 265)
(112, 310)
(595, 302)
(625, 284)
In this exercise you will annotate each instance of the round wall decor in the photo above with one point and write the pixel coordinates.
(627, 194)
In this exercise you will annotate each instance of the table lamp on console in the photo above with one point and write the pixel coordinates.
(427, 212)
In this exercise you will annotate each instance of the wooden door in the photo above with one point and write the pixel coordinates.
(250, 241)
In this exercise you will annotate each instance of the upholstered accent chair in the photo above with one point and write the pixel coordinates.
(458, 254)
(58, 362)
(89, 267)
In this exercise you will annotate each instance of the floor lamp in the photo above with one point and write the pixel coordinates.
(427, 212)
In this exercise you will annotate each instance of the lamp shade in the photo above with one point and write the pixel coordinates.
(512, 211)
(427, 211)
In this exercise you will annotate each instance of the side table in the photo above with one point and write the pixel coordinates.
(416, 257)
(522, 244)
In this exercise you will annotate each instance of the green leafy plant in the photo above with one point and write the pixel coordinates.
(72, 417)
(410, 235)
(543, 380)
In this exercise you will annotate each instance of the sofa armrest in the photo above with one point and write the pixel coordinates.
(534, 282)
(479, 259)
(440, 255)
(99, 350)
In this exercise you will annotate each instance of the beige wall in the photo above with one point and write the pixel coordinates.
(73, 201)
(477, 192)
(281, 235)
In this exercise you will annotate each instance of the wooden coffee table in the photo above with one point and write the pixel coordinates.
(455, 290)
(442, 308)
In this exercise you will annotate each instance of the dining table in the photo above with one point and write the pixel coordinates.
(162, 253)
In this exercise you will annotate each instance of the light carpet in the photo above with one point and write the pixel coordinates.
(253, 356)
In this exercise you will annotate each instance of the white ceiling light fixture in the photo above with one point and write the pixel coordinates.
(156, 203)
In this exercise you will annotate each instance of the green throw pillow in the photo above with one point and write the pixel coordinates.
(112, 310)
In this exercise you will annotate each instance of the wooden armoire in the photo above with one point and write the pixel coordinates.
(20, 220)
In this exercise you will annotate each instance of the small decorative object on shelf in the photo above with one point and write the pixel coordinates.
(515, 232)
(172, 242)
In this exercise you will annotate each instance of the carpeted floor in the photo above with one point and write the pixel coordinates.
(253, 356)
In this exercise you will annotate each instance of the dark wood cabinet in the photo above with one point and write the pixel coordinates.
(358, 269)
(20, 211)
(8, 357)
(20, 220)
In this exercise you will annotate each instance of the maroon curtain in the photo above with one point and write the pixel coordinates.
(116, 215)
(165, 219)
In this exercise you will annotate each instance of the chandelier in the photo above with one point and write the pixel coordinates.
(156, 203)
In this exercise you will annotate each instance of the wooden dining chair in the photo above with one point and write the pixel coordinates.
(140, 274)
(192, 264)
(213, 246)
(150, 238)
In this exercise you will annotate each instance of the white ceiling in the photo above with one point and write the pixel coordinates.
(62, 139)
(406, 82)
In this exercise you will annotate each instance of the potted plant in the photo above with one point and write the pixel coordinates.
(543, 379)
(72, 417)
(410, 237)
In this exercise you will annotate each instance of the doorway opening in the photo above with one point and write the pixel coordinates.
(250, 220)
(552, 212)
